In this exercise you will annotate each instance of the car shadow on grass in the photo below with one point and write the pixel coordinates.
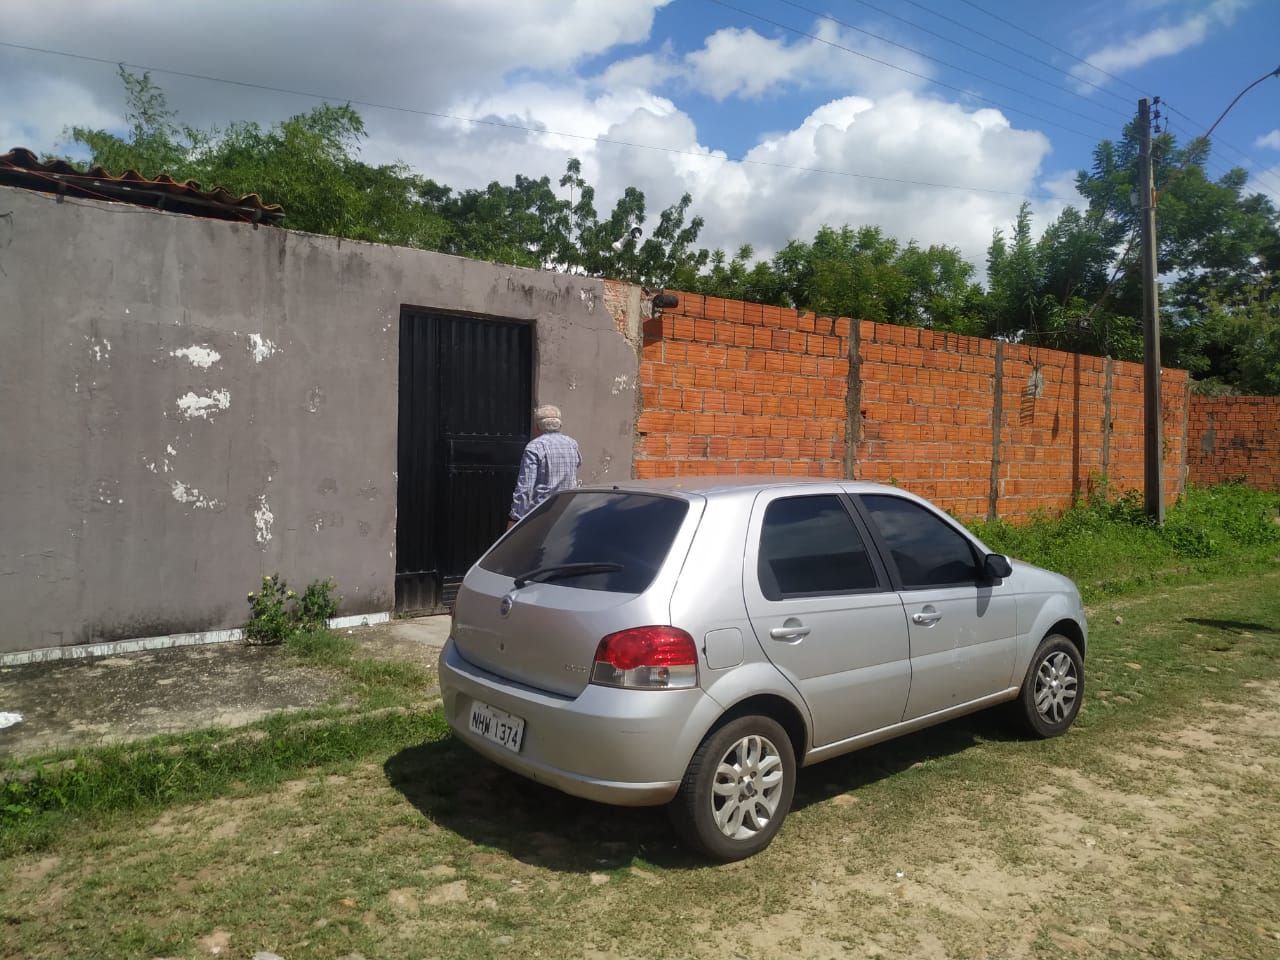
(1231, 626)
(461, 791)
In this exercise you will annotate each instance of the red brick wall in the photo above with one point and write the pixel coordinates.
(730, 387)
(925, 412)
(1233, 437)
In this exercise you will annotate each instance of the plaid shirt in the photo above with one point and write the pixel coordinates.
(549, 464)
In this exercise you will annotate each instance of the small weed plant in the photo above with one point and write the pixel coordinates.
(277, 613)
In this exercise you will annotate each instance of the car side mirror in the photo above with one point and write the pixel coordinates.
(996, 567)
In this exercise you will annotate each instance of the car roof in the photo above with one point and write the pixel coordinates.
(711, 486)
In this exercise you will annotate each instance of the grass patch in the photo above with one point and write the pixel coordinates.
(39, 799)
(1110, 547)
(376, 683)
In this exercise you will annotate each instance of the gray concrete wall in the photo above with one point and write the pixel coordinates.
(187, 405)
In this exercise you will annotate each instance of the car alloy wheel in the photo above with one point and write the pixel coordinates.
(1056, 685)
(1053, 688)
(748, 787)
(737, 789)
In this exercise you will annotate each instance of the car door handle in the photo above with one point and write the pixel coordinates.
(926, 619)
(791, 629)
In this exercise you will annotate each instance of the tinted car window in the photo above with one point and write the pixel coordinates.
(810, 546)
(928, 551)
(632, 530)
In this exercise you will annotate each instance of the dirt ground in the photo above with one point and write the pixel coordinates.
(1132, 862)
(1164, 845)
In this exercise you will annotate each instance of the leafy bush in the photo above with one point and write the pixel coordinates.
(276, 613)
(269, 618)
(1209, 522)
(318, 604)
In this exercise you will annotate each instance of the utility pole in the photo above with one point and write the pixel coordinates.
(1153, 440)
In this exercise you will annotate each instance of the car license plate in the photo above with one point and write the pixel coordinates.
(496, 725)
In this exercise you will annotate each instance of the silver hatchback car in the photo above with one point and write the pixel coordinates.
(692, 642)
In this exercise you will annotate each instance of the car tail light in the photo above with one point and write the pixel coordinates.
(647, 658)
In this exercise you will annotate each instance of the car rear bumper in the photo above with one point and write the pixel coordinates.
(625, 747)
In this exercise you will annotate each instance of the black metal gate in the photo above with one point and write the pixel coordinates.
(465, 389)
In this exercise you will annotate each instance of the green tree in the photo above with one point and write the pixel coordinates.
(1213, 238)
(737, 278)
(1053, 292)
(307, 164)
(1249, 345)
(858, 273)
(155, 145)
(939, 292)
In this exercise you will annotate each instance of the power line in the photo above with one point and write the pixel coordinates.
(1052, 46)
(1080, 60)
(1212, 163)
(842, 23)
(504, 124)
(952, 66)
(964, 26)
(921, 76)
(1260, 179)
(1204, 139)
(974, 50)
(1256, 173)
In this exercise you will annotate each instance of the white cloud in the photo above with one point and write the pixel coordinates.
(778, 192)
(410, 53)
(741, 63)
(1267, 182)
(889, 142)
(1271, 140)
(50, 105)
(1063, 184)
(1164, 41)
(644, 72)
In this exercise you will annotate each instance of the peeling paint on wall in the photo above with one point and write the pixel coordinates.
(202, 357)
(192, 405)
(100, 348)
(588, 298)
(324, 521)
(108, 492)
(260, 347)
(155, 466)
(190, 495)
(262, 519)
(620, 383)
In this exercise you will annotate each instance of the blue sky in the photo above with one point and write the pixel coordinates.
(933, 119)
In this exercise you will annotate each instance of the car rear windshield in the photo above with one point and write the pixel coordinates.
(630, 530)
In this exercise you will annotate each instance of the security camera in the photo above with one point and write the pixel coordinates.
(635, 233)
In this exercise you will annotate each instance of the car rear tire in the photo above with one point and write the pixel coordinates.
(737, 789)
(1053, 688)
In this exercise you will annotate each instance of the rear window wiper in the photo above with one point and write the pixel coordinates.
(562, 570)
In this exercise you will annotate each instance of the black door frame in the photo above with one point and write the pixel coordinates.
(465, 413)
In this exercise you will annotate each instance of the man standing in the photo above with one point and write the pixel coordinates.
(549, 464)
